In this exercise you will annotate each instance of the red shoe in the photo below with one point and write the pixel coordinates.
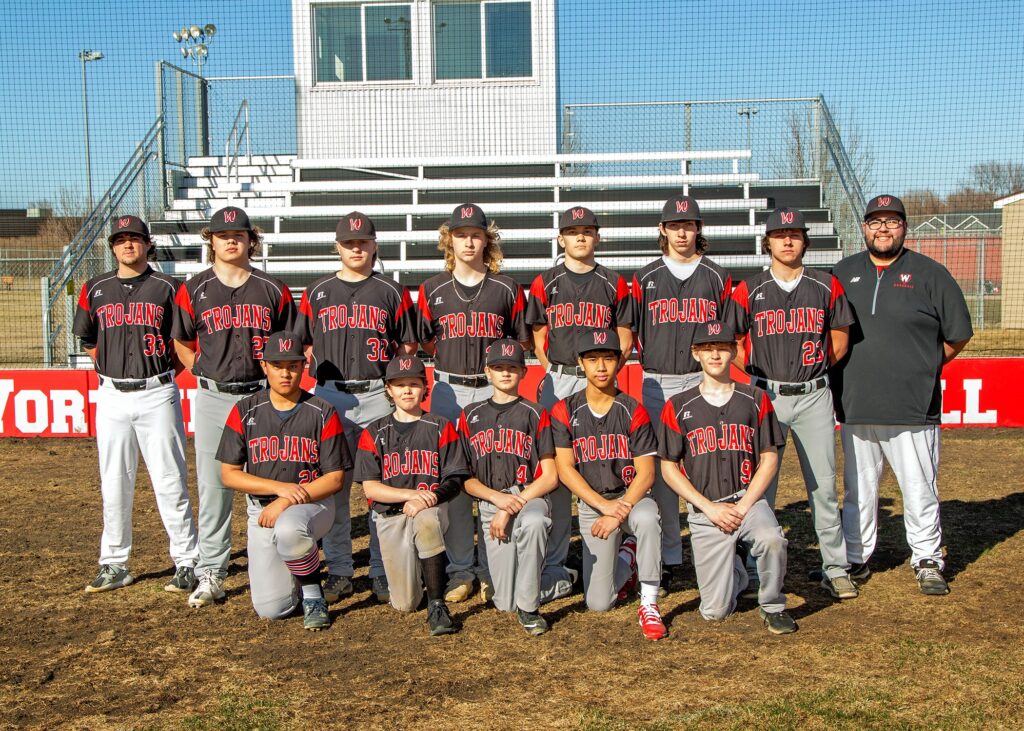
(650, 622)
(629, 548)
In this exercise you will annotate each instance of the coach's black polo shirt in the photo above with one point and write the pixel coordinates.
(904, 312)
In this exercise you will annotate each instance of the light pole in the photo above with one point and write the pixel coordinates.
(85, 57)
(749, 113)
(195, 40)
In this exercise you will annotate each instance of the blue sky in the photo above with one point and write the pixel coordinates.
(932, 87)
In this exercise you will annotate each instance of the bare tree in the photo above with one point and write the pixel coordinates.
(998, 178)
(798, 160)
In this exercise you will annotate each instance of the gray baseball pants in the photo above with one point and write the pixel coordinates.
(403, 542)
(657, 389)
(604, 572)
(356, 412)
(274, 588)
(721, 576)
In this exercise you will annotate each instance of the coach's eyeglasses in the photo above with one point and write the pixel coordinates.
(890, 223)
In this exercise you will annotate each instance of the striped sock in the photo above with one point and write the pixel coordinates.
(308, 564)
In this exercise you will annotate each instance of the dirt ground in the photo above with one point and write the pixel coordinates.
(140, 658)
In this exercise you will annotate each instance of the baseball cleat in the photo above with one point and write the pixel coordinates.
(336, 587)
(109, 578)
(840, 587)
(210, 590)
(439, 619)
(650, 622)
(314, 614)
(458, 591)
(381, 590)
(183, 581)
(778, 623)
(574, 575)
(532, 622)
(486, 590)
(859, 571)
(930, 579)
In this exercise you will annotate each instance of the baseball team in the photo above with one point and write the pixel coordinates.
(476, 493)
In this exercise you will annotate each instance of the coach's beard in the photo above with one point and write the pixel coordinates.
(892, 253)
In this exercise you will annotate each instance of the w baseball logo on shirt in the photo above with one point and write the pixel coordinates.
(123, 222)
(229, 216)
(787, 216)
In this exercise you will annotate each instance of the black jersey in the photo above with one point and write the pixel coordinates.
(604, 446)
(355, 327)
(129, 322)
(567, 302)
(506, 442)
(297, 446)
(231, 324)
(719, 446)
(669, 309)
(413, 456)
(462, 321)
(788, 332)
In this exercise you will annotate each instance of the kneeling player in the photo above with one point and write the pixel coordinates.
(411, 464)
(285, 448)
(605, 449)
(727, 438)
(509, 442)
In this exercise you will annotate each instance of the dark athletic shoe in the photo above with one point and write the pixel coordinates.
(840, 587)
(439, 619)
(336, 587)
(859, 571)
(532, 622)
(929, 578)
(381, 590)
(314, 614)
(109, 578)
(183, 581)
(778, 623)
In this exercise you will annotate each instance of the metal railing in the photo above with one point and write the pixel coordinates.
(235, 137)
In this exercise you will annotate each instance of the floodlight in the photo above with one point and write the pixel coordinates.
(194, 31)
(184, 52)
(176, 37)
(209, 29)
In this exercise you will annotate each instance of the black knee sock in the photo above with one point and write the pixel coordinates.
(434, 575)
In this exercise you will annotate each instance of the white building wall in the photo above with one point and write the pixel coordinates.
(422, 116)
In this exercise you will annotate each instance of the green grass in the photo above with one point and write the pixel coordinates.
(238, 712)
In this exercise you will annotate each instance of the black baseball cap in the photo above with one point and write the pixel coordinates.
(127, 225)
(505, 352)
(680, 208)
(468, 214)
(355, 226)
(283, 345)
(886, 204)
(599, 339)
(785, 218)
(714, 331)
(405, 366)
(577, 216)
(230, 218)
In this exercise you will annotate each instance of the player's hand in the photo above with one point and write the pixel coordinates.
(412, 507)
(294, 494)
(615, 509)
(508, 502)
(428, 497)
(499, 525)
(604, 526)
(269, 515)
(725, 516)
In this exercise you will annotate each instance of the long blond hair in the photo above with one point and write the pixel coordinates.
(492, 251)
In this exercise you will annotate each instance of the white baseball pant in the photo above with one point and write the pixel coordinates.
(404, 541)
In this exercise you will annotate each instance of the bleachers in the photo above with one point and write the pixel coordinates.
(297, 202)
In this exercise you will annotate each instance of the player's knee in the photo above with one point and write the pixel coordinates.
(292, 541)
(427, 533)
(769, 541)
(275, 608)
(602, 603)
(406, 605)
(715, 614)
(534, 524)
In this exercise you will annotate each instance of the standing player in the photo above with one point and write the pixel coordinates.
(222, 319)
(411, 465)
(508, 440)
(577, 294)
(718, 447)
(286, 450)
(605, 451)
(911, 320)
(124, 321)
(355, 322)
(462, 311)
(673, 295)
(796, 322)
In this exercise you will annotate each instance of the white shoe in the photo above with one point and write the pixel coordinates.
(210, 590)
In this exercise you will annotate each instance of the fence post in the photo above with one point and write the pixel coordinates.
(179, 87)
(69, 318)
(44, 298)
(981, 283)
(161, 158)
(202, 118)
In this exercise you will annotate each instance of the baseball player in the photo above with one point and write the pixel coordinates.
(718, 444)
(355, 321)
(411, 465)
(462, 311)
(672, 296)
(796, 323)
(911, 320)
(508, 440)
(605, 449)
(578, 293)
(222, 319)
(124, 322)
(286, 450)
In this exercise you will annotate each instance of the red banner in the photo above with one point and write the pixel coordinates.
(60, 403)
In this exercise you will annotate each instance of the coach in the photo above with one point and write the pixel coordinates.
(911, 320)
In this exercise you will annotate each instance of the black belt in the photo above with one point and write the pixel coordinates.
(386, 510)
(264, 500)
(614, 495)
(790, 389)
(140, 384)
(351, 386)
(568, 370)
(235, 389)
(469, 381)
